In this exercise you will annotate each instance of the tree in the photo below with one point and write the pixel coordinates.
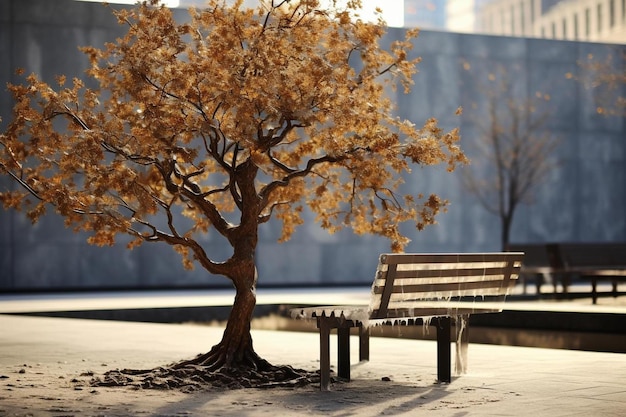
(217, 125)
(606, 77)
(513, 149)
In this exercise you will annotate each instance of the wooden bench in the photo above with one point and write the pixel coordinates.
(595, 262)
(541, 261)
(412, 288)
(566, 262)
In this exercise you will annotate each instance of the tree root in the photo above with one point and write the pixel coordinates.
(202, 374)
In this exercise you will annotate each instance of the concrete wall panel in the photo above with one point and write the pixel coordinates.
(583, 199)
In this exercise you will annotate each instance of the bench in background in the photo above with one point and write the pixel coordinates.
(566, 262)
(594, 262)
(433, 289)
(541, 263)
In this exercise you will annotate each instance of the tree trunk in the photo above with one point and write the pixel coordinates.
(235, 351)
(506, 228)
(233, 361)
(237, 341)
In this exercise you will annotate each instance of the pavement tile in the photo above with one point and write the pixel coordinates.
(40, 356)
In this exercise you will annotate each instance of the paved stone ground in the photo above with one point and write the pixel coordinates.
(41, 357)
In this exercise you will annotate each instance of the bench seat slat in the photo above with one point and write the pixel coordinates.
(421, 313)
(403, 258)
(357, 313)
(460, 288)
(380, 283)
(349, 312)
(450, 273)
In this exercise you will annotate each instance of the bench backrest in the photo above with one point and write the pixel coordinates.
(535, 254)
(418, 285)
(593, 254)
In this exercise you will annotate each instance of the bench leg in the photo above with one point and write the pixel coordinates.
(565, 280)
(343, 352)
(364, 343)
(462, 343)
(443, 349)
(594, 290)
(324, 327)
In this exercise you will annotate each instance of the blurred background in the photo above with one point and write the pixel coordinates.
(546, 64)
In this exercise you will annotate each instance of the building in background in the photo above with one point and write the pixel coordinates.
(582, 20)
(425, 14)
(511, 17)
(462, 15)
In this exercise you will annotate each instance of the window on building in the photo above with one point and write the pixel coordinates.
(575, 25)
(587, 22)
(543, 32)
(553, 30)
(532, 12)
(599, 18)
(522, 18)
(564, 27)
(611, 13)
(623, 10)
(512, 20)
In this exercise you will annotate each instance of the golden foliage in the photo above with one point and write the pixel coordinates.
(236, 114)
(607, 79)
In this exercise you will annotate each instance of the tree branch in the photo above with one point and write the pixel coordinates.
(311, 164)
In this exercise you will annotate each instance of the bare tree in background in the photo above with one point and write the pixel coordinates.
(511, 154)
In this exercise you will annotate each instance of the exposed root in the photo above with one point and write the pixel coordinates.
(206, 372)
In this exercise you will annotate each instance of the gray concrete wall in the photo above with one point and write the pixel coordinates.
(584, 199)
